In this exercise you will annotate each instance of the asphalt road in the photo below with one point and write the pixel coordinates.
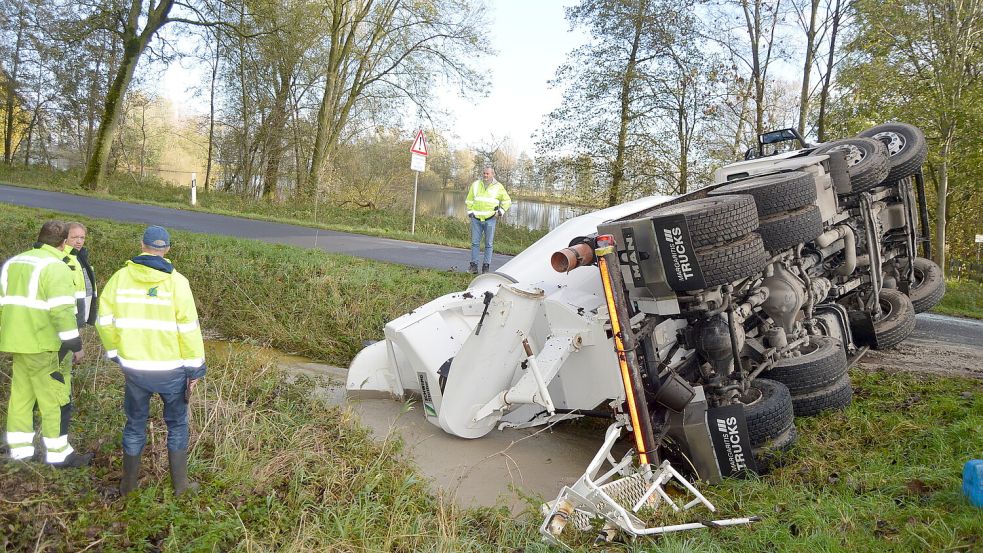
(929, 327)
(358, 245)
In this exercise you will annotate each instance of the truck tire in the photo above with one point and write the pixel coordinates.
(837, 395)
(866, 159)
(906, 148)
(713, 221)
(767, 410)
(823, 362)
(727, 263)
(897, 320)
(928, 286)
(775, 193)
(784, 230)
(772, 453)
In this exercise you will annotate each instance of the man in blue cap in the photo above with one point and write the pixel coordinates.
(148, 324)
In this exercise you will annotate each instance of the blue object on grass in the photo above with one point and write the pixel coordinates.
(973, 481)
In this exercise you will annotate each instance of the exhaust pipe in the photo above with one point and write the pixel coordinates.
(570, 258)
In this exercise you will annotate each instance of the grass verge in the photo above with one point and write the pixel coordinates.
(386, 223)
(301, 301)
(963, 298)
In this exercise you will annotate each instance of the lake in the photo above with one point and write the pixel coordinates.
(532, 214)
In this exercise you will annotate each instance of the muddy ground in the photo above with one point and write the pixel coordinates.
(928, 356)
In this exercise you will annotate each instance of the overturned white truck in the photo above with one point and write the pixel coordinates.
(702, 323)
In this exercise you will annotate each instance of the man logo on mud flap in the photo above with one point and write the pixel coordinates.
(732, 443)
(680, 258)
(636, 271)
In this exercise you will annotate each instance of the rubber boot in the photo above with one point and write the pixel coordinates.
(74, 461)
(131, 474)
(484, 268)
(178, 461)
(473, 269)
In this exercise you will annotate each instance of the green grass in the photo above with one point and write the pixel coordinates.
(963, 298)
(301, 301)
(374, 222)
(282, 472)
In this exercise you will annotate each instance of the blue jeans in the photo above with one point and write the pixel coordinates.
(477, 228)
(140, 387)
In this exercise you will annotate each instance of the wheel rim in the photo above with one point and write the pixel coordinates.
(754, 393)
(918, 278)
(851, 154)
(895, 142)
(886, 309)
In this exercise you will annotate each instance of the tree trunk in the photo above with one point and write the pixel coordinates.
(807, 67)
(618, 169)
(211, 110)
(827, 80)
(942, 194)
(274, 135)
(11, 104)
(134, 45)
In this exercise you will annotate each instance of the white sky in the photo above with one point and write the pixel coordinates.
(531, 39)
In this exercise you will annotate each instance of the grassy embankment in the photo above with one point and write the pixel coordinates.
(386, 223)
(282, 472)
(963, 298)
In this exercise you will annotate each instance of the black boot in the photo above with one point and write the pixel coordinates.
(473, 269)
(131, 474)
(484, 268)
(178, 460)
(74, 461)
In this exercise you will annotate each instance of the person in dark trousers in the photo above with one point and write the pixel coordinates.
(148, 324)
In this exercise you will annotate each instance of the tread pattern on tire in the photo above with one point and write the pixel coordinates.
(835, 396)
(898, 324)
(785, 230)
(821, 365)
(869, 172)
(930, 290)
(770, 416)
(839, 172)
(715, 220)
(908, 161)
(734, 261)
(775, 193)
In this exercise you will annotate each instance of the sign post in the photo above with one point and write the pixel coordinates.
(194, 189)
(979, 242)
(418, 163)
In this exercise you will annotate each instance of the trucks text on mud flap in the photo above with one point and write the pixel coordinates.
(705, 322)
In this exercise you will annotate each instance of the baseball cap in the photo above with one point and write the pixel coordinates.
(156, 237)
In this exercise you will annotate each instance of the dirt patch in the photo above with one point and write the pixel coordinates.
(928, 357)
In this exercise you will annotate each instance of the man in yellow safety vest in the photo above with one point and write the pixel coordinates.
(487, 201)
(148, 324)
(38, 326)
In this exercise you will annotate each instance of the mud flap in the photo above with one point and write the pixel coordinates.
(678, 254)
(731, 441)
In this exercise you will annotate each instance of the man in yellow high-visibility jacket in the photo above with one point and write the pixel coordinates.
(148, 324)
(487, 201)
(38, 326)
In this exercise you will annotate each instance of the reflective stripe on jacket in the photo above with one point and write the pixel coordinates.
(78, 279)
(148, 320)
(482, 201)
(37, 303)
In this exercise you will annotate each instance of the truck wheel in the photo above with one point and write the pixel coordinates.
(928, 286)
(906, 148)
(784, 230)
(775, 193)
(837, 395)
(712, 221)
(767, 410)
(730, 262)
(865, 157)
(772, 453)
(823, 362)
(897, 320)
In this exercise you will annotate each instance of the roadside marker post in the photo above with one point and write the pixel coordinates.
(418, 163)
(194, 189)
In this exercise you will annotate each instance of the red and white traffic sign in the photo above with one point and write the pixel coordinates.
(419, 144)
